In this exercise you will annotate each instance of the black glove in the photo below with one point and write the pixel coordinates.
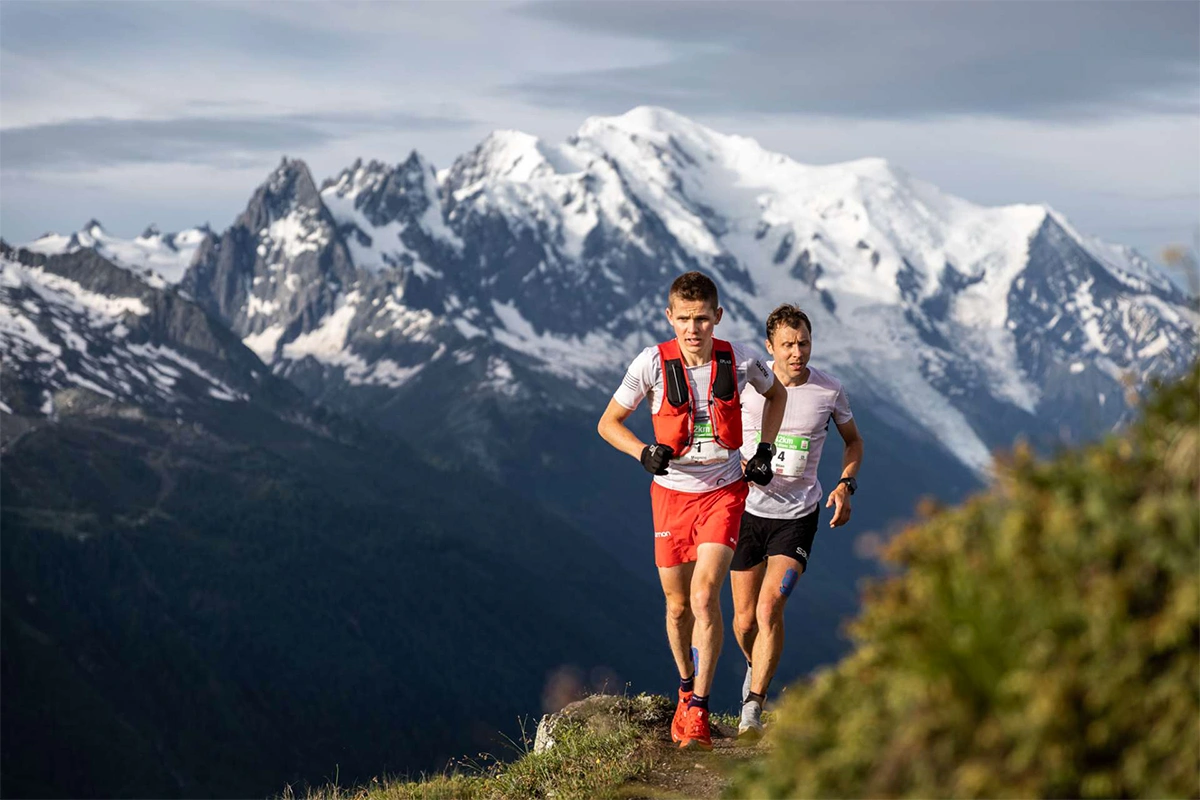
(655, 458)
(758, 468)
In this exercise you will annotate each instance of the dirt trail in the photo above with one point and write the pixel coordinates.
(690, 773)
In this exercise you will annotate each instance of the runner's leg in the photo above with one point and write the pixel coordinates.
(768, 644)
(746, 585)
(675, 583)
(712, 564)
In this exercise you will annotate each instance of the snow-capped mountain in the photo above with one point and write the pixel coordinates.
(83, 335)
(553, 259)
(160, 258)
(530, 273)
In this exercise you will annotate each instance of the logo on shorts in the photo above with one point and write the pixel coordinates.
(803, 553)
(662, 534)
(733, 541)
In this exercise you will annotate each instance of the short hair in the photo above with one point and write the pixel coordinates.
(694, 286)
(789, 316)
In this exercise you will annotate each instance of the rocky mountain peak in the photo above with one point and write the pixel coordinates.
(662, 146)
(415, 163)
(503, 155)
(384, 193)
(288, 188)
(89, 235)
(281, 266)
(647, 121)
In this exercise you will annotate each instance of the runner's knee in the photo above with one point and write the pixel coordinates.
(677, 609)
(744, 623)
(769, 613)
(705, 600)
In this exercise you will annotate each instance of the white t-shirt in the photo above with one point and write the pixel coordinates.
(795, 490)
(644, 378)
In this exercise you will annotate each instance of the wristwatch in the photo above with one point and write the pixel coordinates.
(851, 483)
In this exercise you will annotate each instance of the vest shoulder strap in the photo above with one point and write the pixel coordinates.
(674, 376)
(724, 380)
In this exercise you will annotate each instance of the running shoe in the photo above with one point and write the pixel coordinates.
(750, 727)
(695, 729)
(680, 712)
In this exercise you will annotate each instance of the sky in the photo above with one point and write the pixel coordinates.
(173, 112)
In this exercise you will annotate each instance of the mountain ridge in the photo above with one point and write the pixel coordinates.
(428, 252)
(525, 276)
(516, 284)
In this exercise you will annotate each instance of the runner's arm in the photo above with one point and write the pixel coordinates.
(612, 429)
(772, 415)
(853, 455)
(851, 461)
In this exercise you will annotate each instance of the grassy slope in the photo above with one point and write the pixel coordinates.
(623, 753)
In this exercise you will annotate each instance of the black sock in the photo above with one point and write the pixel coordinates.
(686, 685)
(756, 697)
(698, 702)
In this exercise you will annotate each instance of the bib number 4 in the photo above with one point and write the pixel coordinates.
(791, 456)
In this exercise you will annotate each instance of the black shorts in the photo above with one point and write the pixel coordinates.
(761, 537)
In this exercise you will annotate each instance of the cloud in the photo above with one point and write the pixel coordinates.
(890, 60)
(88, 31)
(216, 140)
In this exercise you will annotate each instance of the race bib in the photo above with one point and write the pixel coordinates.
(791, 454)
(704, 449)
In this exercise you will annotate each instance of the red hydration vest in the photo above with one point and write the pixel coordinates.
(675, 420)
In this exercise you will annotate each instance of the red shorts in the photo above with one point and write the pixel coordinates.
(683, 520)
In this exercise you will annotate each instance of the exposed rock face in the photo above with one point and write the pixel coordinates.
(604, 713)
(84, 325)
(281, 267)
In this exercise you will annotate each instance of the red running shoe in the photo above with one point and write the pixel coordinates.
(680, 711)
(695, 729)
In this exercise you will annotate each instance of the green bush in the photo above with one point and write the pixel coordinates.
(1041, 640)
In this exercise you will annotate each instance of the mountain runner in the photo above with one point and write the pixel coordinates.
(781, 518)
(694, 383)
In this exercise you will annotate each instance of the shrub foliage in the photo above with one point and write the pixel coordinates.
(1040, 640)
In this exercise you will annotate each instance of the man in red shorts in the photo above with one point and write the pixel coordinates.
(694, 383)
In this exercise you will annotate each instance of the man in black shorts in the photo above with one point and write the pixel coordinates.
(780, 520)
